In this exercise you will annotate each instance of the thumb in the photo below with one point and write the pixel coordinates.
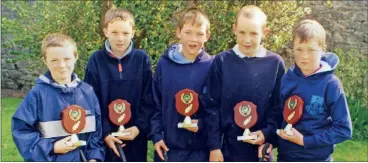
(269, 149)
(67, 138)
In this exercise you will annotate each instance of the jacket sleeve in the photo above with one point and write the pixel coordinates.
(341, 128)
(95, 149)
(92, 78)
(156, 120)
(145, 111)
(212, 105)
(25, 134)
(274, 113)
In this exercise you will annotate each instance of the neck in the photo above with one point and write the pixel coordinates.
(190, 57)
(309, 72)
(119, 53)
(65, 81)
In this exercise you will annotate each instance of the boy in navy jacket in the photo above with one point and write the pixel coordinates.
(325, 120)
(119, 71)
(247, 72)
(37, 127)
(184, 65)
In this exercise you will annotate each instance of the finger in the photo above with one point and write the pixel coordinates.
(123, 145)
(115, 150)
(194, 120)
(159, 152)
(269, 149)
(67, 138)
(267, 156)
(260, 148)
(114, 139)
(69, 148)
(165, 147)
(125, 137)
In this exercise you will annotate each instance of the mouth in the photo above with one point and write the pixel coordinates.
(193, 46)
(247, 46)
(119, 45)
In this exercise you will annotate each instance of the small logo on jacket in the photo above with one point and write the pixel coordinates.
(315, 106)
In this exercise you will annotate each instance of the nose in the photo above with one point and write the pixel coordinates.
(62, 64)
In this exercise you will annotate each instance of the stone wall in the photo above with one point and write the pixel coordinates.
(344, 21)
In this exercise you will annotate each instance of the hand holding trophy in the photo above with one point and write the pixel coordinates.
(186, 102)
(293, 111)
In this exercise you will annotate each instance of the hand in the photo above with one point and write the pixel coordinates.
(193, 129)
(161, 144)
(61, 147)
(133, 133)
(216, 156)
(269, 150)
(260, 138)
(110, 141)
(92, 160)
(297, 138)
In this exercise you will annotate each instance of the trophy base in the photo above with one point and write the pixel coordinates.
(187, 125)
(120, 134)
(76, 144)
(287, 130)
(250, 137)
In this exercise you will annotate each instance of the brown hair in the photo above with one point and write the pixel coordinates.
(250, 12)
(195, 16)
(308, 29)
(57, 40)
(118, 14)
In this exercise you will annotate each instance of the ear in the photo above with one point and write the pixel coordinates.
(76, 56)
(208, 36)
(234, 28)
(266, 31)
(133, 33)
(178, 32)
(44, 61)
(105, 32)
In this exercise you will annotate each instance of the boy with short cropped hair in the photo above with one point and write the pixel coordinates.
(325, 120)
(247, 72)
(37, 125)
(180, 74)
(121, 72)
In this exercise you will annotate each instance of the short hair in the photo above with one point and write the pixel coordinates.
(118, 14)
(57, 40)
(195, 16)
(250, 12)
(308, 29)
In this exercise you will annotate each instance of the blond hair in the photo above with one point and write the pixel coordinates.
(195, 16)
(57, 40)
(118, 14)
(308, 29)
(252, 12)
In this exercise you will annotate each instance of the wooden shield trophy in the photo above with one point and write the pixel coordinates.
(186, 102)
(293, 111)
(120, 114)
(74, 121)
(245, 116)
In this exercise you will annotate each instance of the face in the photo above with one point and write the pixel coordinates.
(307, 55)
(249, 34)
(119, 33)
(192, 38)
(60, 61)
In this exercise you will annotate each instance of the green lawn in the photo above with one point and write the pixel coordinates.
(351, 150)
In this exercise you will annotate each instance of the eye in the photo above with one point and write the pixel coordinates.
(126, 33)
(242, 32)
(200, 34)
(114, 32)
(254, 33)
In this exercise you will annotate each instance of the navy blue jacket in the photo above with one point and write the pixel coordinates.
(233, 79)
(44, 103)
(326, 119)
(131, 82)
(170, 77)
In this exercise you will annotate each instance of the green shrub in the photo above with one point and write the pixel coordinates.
(155, 24)
(352, 71)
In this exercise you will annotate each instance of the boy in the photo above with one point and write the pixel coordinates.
(247, 72)
(36, 125)
(325, 120)
(118, 71)
(183, 66)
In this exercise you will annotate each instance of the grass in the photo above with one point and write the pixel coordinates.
(352, 150)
